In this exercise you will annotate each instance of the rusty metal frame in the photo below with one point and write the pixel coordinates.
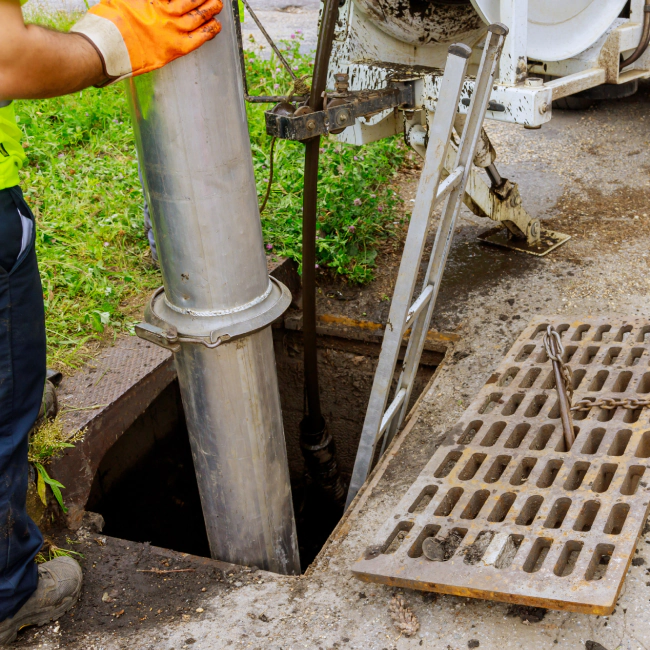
(341, 115)
(502, 511)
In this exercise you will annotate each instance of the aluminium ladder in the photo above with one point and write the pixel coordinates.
(382, 421)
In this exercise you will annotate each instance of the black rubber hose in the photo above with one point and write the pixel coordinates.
(645, 38)
(309, 211)
(309, 214)
(316, 443)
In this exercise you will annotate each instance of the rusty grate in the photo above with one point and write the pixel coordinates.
(503, 511)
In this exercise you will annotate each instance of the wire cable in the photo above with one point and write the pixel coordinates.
(270, 183)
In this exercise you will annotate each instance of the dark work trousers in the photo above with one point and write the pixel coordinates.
(22, 378)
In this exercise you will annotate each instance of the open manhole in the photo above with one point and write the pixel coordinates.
(145, 486)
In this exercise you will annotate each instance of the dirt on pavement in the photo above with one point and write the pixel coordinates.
(129, 586)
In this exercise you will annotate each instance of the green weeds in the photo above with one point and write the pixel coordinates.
(49, 439)
(356, 204)
(51, 552)
(46, 442)
(44, 479)
(82, 184)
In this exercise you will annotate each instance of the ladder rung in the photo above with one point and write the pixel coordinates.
(449, 184)
(417, 306)
(391, 410)
(382, 422)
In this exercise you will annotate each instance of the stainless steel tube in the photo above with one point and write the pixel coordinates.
(233, 415)
(218, 302)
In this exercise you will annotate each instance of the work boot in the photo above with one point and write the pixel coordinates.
(59, 586)
(50, 402)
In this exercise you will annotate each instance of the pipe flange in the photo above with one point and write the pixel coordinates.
(169, 327)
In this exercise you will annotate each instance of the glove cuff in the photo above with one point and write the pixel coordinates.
(107, 39)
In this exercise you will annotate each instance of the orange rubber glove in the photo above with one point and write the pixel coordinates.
(136, 36)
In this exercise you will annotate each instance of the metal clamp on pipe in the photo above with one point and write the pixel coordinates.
(165, 338)
(168, 325)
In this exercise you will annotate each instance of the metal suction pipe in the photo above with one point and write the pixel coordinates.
(218, 301)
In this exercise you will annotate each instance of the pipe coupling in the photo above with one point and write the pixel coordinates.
(168, 326)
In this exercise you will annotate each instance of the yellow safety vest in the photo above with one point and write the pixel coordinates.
(12, 155)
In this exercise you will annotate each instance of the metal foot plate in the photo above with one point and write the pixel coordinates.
(549, 241)
(502, 511)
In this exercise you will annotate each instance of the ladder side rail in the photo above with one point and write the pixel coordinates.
(467, 146)
(446, 228)
(441, 128)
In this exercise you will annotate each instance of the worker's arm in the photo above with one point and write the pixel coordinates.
(115, 39)
(38, 62)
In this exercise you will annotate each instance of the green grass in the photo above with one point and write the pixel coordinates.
(83, 186)
(356, 204)
(50, 552)
(81, 181)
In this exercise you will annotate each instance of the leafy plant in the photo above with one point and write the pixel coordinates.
(45, 443)
(356, 203)
(44, 479)
(49, 440)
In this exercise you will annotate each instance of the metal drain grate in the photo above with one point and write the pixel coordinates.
(502, 511)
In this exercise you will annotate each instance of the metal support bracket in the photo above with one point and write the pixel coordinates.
(503, 204)
(513, 63)
(342, 112)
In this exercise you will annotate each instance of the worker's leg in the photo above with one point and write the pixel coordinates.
(22, 377)
(29, 595)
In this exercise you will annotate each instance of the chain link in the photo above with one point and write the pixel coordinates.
(609, 403)
(567, 374)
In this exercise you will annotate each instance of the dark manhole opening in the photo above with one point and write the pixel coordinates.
(145, 487)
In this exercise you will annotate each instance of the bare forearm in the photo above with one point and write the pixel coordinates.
(45, 63)
(133, 37)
